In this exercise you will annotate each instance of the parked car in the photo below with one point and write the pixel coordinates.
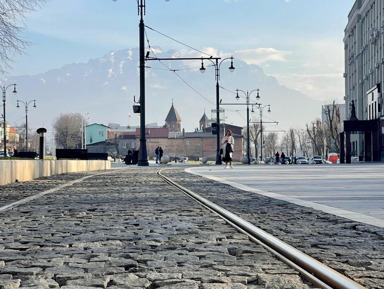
(317, 160)
(302, 161)
(286, 160)
(2, 154)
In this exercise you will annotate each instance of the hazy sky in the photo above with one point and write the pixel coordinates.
(300, 42)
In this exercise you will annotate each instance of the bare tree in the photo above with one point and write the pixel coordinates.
(288, 143)
(12, 16)
(303, 138)
(316, 134)
(270, 144)
(254, 132)
(68, 130)
(332, 126)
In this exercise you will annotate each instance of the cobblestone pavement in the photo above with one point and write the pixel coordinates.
(128, 229)
(353, 249)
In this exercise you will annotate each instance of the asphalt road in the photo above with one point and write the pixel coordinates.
(353, 191)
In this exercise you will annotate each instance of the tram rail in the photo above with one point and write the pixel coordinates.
(314, 271)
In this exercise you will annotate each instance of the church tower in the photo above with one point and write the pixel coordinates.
(173, 120)
(203, 123)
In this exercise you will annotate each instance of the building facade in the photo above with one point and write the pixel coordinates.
(364, 79)
(95, 133)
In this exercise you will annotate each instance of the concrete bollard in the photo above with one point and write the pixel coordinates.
(164, 159)
(244, 160)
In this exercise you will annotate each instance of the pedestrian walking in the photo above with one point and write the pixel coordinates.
(228, 144)
(282, 158)
(277, 157)
(157, 154)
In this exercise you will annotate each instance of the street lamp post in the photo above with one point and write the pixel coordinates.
(248, 94)
(83, 131)
(217, 65)
(4, 89)
(26, 118)
(143, 157)
(261, 108)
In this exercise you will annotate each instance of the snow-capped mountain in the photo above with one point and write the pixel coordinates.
(105, 88)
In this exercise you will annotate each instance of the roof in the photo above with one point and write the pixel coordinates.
(173, 115)
(204, 118)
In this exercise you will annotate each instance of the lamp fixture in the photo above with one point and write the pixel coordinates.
(231, 68)
(202, 68)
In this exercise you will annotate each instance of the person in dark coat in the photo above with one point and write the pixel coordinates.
(277, 157)
(160, 153)
(157, 154)
(283, 158)
(128, 158)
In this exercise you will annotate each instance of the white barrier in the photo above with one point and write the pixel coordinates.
(26, 170)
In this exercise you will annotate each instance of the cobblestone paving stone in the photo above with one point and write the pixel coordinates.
(127, 229)
(351, 248)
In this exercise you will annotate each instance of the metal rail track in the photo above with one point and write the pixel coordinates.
(314, 271)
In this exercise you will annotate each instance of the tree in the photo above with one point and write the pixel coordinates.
(316, 134)
(288, 143)
(254, 132)
(304, 142)
(332, 127)
(68, 130)
(270, 144)
(12, 15)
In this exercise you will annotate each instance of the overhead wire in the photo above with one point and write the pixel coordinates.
(175, 71)
(177, 41)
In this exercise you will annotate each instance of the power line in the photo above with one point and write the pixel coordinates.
(175, 71)
(177, 41)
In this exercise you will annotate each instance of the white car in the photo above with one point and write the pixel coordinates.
(2, 154)
(317, 160)
(302, 161)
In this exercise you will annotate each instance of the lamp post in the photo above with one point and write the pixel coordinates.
(143, 157)
(248, 94)
(217, 65)
(83, 131)
(4, 89)
(261, 108)
(26, 118)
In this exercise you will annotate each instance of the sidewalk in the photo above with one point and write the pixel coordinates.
(351, 191)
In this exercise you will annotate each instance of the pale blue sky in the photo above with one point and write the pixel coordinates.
(300, 42)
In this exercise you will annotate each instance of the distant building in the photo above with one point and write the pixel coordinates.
(95, 133)
(176, 143)
(364, 78)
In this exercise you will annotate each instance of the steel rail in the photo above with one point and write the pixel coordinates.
(317, 272)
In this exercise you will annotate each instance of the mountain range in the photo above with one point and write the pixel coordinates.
(105, 88)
